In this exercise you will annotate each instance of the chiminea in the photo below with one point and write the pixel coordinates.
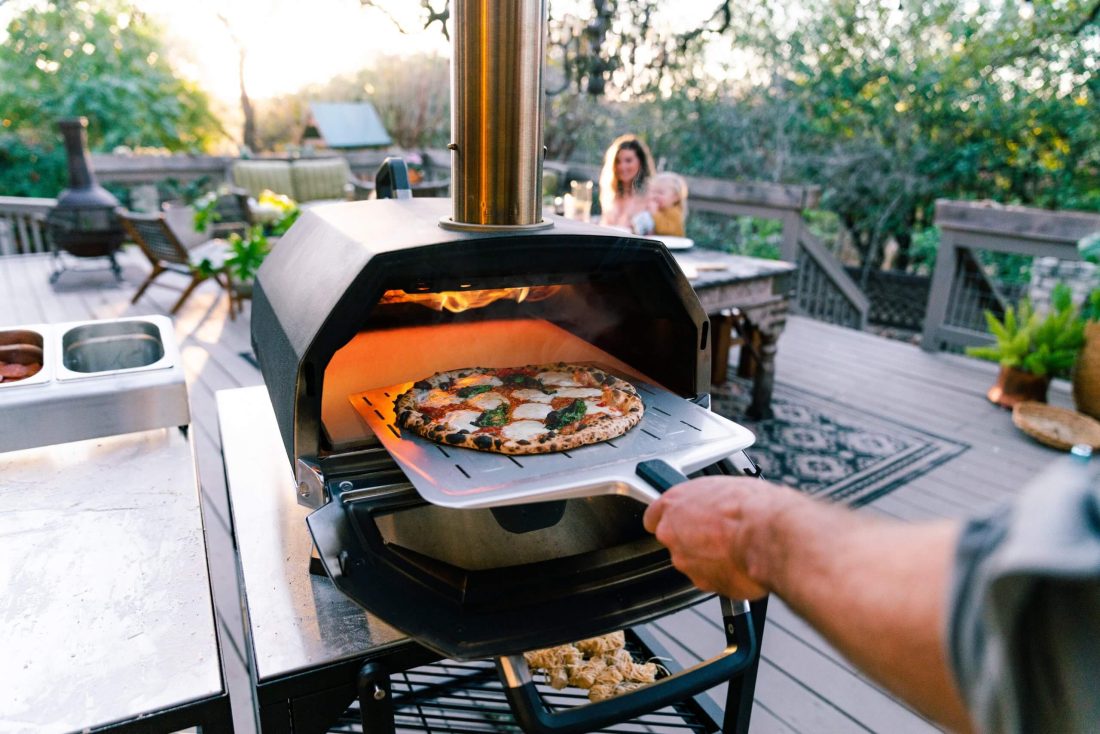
(83, 223)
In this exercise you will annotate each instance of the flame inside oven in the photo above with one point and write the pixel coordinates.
(458, 301)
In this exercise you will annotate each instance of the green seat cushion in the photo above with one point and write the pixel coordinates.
(255, 176)
(322, 178)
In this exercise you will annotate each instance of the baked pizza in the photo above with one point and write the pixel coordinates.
(533, 409)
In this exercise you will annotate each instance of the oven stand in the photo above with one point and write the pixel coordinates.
(443, 695)
(376, 700)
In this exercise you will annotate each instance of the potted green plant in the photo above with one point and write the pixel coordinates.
(1032, 348)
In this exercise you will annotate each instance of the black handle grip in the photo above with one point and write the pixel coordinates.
(392, 180)
(533, 717)
(660, 474)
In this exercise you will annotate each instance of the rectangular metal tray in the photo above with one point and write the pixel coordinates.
(674, 429)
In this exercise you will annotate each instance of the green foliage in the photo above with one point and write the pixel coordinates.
(887, 106)
(1041, 345)
(1090, 309)
(247, 254)
(29, 169)
(104, 61)
(922, 251)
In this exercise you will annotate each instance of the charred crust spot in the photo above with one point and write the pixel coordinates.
(454, 438)
(483, 442)
(496, 443)
(523, 442)
(403, 418)
(422, 385)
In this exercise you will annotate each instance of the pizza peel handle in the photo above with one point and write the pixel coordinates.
(660, 474)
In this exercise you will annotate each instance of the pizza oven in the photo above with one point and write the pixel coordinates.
(476, 554)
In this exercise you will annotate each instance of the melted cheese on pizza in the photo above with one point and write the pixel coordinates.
(594, 408)
(462, 420)
(523, 430)
(477, 379)
(531, 411)
(436, 398)
(487, 400)
(532, 396)
(578, 392)
(557, 379)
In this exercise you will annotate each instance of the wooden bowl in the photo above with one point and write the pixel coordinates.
(1056, 427)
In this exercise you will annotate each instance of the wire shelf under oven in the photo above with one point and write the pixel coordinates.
(449, 697)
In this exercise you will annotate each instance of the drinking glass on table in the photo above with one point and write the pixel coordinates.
(581, 194)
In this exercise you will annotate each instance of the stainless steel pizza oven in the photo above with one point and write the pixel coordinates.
(360, 299)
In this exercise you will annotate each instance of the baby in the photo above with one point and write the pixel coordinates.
(666, 206)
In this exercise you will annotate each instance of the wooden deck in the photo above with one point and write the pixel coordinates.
(803, 685)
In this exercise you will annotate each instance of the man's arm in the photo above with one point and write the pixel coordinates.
(876, 590)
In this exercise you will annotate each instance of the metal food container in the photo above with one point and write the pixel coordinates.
(25, 345)
(98, 378)
(110, 348)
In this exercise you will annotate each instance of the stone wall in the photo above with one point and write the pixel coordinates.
(1046, 272)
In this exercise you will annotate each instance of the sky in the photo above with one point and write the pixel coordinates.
(292, 43)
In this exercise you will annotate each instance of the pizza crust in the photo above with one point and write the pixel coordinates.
(611, 407)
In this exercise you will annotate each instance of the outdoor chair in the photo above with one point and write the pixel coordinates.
(167, 254)
(305, 180)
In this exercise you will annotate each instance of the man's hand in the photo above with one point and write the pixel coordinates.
(713, 526)
(875, 589)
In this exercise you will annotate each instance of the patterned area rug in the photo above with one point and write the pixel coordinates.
(834, 450)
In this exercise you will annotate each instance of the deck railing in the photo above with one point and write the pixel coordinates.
(825, 291)
(984, 261)
(22, 224)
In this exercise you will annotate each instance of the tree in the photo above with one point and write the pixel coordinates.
(886, 105)
(248, 112)
(103, 61)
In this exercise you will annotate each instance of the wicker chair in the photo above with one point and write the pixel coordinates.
(167, 254)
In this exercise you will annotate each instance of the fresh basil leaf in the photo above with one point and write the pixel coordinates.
(469, 392)
(564, 416)
(497, 416)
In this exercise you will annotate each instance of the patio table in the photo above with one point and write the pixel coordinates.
(107, 617)
(750, 295)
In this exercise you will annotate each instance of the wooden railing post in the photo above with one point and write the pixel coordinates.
(939, 295)
(968, 226)
(22, 224)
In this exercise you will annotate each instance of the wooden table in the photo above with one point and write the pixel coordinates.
(749, 296)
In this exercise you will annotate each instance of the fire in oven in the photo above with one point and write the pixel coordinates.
(478, 554)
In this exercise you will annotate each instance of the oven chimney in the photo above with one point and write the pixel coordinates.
(496, 115)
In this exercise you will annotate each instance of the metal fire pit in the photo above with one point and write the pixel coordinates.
(98, 378)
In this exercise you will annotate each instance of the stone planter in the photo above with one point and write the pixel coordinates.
(1015, 386)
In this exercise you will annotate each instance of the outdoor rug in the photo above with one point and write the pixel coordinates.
(833, 450)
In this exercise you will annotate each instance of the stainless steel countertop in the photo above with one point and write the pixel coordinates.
(105, 600)
(296, 621)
